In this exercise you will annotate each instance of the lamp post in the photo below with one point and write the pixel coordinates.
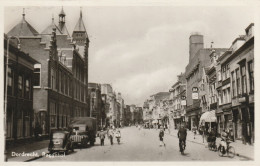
(6, 86)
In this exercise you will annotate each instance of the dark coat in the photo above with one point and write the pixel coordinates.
(161, 135)
(182, 133)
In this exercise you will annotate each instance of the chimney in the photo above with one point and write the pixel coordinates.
(196, 43)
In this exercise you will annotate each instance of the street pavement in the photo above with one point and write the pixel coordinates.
(141, 145)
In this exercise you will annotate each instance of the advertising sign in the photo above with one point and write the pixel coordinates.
(195, 93)
(183, 102)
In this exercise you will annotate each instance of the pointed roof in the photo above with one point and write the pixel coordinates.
(48, 29)
(23, 29)
(80, 24)
(47, 32)
(62, 12)
(63, 29)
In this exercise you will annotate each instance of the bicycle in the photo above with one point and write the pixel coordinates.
(230, 151)
(118, 140)
(182, 147)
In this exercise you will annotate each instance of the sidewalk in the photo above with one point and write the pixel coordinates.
(242, 150)
(27, 151)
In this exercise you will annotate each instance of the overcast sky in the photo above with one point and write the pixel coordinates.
(141, 50)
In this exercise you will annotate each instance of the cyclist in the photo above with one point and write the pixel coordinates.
(224, 137)
(182, 134)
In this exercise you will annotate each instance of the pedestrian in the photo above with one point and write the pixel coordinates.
(118, 135)
(161, 135)
(194, 129)
(110, 135)
(102, 137)
(182, 135)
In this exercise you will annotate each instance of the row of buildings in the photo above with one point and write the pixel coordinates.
(46, 81)
(117, 112)
(216, 90)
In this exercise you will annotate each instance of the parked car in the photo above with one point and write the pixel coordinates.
(60, 142)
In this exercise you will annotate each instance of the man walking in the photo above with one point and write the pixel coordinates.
(110, 135)
(102, 137)
(161, 135)
(182, 134)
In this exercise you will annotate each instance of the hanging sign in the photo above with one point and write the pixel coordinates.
(195, 93)
(183, 100)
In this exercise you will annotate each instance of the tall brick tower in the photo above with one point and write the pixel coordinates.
(196, 43)
(79, 33)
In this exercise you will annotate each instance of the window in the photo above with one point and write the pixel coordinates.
(37, 75)
(82, 93)
(66, 84)
(227, 71)
(238, 82)
(224, 97)
(53, 115)
(60, 81)
(251, 75)
(224, 73)
(219, 76)
(27, 89)
(10, 87)
(233, 84)
(20, 86)
(53, 79)
(219, 97)
(243, 79)
(228, 95)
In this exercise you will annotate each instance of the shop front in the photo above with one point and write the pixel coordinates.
(243, 120)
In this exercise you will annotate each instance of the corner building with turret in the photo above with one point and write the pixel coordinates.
(60, 80)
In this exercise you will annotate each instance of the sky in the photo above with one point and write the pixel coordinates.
(140, 50)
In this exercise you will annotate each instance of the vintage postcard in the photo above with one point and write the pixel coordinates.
(129, 82)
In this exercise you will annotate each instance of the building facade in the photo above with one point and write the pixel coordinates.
(18, 75)
(241, 71)
(177, 108)
(60, 85)
(200, 58)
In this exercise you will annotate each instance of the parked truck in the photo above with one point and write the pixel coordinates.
(84, 130)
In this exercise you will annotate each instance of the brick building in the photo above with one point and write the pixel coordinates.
(61, 77)
(199, 58)
(19, 109)
(238, 69)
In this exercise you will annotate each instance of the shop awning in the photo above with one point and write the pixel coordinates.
(209, 116)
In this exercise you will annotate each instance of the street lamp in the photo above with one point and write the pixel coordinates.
(6, 86)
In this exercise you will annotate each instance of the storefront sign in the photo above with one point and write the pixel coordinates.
(242, 99)
(251, 99)
(235, 102)
(183, 102)
(195, 95)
